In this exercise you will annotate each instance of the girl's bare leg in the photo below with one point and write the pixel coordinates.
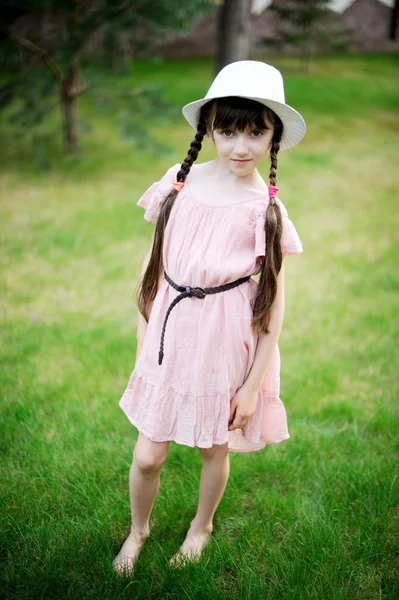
(144, 481)
(214, 476)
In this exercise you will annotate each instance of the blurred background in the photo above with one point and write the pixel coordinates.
(60, 58)
(90, 116)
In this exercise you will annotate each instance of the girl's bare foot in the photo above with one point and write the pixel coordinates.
(128, 554)
(192, 548)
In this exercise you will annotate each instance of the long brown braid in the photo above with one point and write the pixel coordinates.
(267, 286)
(148, 285)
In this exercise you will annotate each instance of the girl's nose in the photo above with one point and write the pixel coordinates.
(241, 146)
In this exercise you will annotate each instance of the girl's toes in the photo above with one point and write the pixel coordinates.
(123, 564)
(179, 560)
(191, 550)
(124, 568)
(175, 561)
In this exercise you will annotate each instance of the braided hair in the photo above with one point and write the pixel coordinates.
(148, 286)
(267, 287)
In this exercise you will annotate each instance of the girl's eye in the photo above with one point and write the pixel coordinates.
(257, 132)
(227, 132)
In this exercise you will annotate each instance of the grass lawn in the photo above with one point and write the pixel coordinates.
(315, 516)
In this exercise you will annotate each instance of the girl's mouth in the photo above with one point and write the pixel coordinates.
(240, 161)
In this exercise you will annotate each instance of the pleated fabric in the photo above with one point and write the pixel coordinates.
(209, 346)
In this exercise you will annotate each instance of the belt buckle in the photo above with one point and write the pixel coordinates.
(198, 292)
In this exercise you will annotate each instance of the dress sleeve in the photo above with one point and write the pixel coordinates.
(153, 197)
(290, 242)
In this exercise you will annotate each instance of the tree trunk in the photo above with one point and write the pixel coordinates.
(69, 109)
(234, 26)
(308, 35)
(393, 26)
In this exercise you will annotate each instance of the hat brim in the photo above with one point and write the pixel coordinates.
(294, 126)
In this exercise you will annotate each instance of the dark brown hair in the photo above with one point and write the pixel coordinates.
(225, 113)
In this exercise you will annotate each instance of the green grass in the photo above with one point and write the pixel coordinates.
(313, 517)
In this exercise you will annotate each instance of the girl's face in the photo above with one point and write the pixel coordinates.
(242, 151)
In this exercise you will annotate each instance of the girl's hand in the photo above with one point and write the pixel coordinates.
(242, 407)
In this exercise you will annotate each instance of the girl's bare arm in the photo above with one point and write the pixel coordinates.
(267, 342)
(141, 322)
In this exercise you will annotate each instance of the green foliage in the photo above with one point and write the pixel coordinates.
(133, 110)
(42, 42)
(306, 25)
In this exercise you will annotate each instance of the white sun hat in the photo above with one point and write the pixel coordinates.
(257, 81)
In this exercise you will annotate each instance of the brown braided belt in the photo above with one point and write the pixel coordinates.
(197, 292)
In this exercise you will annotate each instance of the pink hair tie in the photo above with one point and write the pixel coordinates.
(177, 185)
(272, 190)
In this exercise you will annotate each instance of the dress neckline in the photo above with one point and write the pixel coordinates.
(198, 201)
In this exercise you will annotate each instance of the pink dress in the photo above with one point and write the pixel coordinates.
(209, 345)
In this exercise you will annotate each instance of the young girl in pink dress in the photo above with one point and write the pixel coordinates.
(207, 371)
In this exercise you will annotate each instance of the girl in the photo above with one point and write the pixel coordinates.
(208, 366)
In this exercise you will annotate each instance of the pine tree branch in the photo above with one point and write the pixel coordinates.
(42, 54)
(97, 20)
